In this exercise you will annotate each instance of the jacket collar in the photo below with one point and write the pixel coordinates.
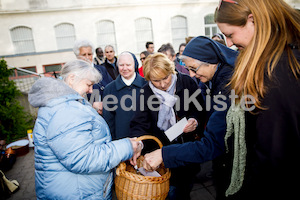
(106, 61)
(179, 82)
(66, 98)
(138, 82)
(222, 75)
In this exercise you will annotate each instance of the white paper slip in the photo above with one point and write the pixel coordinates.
(176, 129)
(146, 173)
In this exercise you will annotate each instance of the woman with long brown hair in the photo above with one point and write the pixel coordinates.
(265, 146)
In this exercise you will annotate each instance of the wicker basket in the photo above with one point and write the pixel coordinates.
(129, 185)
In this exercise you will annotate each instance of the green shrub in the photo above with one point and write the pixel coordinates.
(14, 121)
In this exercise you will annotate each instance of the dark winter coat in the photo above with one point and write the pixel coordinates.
(112, 70)
(212, 144)
(119, 119)
(273, 139)
(106, 79)
(145, 121)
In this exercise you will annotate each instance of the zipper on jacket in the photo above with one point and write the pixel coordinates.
(106, 184)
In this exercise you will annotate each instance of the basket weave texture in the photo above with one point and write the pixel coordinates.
(130, 185)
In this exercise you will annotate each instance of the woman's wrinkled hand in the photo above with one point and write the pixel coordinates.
(153, 160)
(98, 106)
(191, 125)
(137, 149)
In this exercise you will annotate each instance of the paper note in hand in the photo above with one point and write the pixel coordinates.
(176, 129)
(146, 173)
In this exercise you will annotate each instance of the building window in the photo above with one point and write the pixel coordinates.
(37, 4)
(179, 31)
(106, 34)
(23, 74)
(52, 70)
(65, 35)
(143, 28)
(22, 39)
(210, 26)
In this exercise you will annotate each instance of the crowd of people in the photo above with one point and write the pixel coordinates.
(242, 110)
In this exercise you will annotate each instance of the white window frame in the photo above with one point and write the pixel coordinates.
(22, 39)
(106, 34)
(144, 32)
(178, 27)
(65, 35)
(210, 25)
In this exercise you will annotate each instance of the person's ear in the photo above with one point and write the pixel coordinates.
(173, 57)
(71, 80)
(250, 18)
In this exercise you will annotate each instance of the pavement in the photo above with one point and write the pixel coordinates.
(23, 172)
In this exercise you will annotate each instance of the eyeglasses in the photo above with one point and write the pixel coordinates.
(228, 1)
(195, 70)
(143, 58)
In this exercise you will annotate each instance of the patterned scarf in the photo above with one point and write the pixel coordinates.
(166, 114)
(236, 125)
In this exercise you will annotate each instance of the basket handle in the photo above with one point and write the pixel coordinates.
(150, 137)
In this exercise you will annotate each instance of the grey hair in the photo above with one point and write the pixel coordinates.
(82, 43)
(82, 70)
(109, 46)
(183, 57)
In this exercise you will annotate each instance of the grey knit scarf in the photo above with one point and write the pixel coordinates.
(236, 125)
(166, 114)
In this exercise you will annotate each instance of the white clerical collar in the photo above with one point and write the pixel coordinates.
(128, 82)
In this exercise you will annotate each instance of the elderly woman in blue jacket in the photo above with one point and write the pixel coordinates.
(213, 64)
(74, 154)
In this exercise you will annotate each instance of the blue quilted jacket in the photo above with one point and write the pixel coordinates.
(74, 154)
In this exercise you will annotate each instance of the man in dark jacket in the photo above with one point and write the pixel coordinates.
(83, 49)
(111, 61)
(99, 58)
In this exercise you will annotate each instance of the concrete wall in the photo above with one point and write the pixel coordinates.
(84, 15)
(42, 15)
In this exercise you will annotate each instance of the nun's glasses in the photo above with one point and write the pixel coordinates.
(228, 1)
(196, 69)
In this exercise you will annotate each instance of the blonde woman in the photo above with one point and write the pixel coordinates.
(157, 112)
(266, 154)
